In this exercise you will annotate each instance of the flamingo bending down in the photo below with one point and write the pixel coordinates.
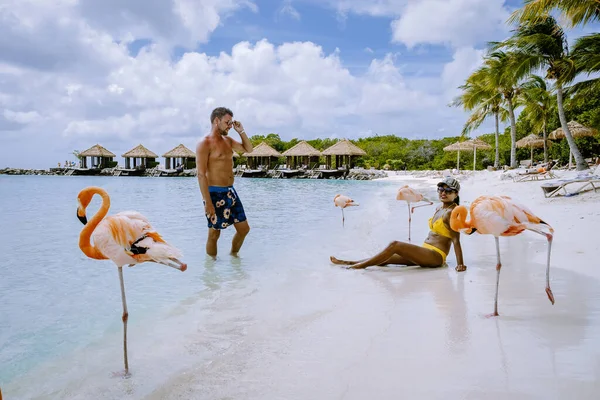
(410, 195)
(126, 238)
(502, 216)
(343, 201)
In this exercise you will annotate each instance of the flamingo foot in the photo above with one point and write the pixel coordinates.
(494, 314)
(550, 295)
(121, 374)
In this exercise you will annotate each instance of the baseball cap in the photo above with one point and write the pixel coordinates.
(450, 182)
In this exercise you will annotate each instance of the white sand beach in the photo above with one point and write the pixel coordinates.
(394, 333)
(311, 330)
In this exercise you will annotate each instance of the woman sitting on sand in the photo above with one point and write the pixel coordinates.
(436, 247)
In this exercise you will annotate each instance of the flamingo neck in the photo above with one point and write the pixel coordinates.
(86, 233)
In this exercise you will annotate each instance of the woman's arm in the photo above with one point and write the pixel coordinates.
(460, 267)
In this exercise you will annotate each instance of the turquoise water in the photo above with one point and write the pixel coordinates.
(57, 304)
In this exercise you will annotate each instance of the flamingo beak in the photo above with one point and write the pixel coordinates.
(81, 215)
(174, 263)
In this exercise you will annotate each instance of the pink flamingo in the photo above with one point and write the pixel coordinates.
(126, 238)
(410, 195)
(501, 216)
(343, 201)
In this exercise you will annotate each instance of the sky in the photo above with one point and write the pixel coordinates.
(74, 73)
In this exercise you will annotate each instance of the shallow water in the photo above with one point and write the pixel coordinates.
(280, 321)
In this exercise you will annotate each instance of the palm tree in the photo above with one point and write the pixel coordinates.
(502, 76)
(586, 55)
(544, 45)
(538, 106)
(484, 102)
(578, 12)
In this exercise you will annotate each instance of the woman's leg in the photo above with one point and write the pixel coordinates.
(416, 254)
(395, 259)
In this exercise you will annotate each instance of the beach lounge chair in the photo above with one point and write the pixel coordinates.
(581, 183)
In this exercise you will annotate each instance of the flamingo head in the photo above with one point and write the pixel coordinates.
(83, 200)
(458, 220)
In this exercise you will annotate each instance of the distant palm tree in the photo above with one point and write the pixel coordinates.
(502, 76)
(538, 104)
(484, 101)
(578, 12)
(543, 45)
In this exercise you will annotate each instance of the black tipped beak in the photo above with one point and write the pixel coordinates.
(82, 219)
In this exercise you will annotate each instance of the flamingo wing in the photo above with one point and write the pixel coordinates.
(126, 238)
(489, 215)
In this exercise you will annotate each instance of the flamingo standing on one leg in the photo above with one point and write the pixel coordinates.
(126, 238)
(501, 216)
(410, 195)
(343, 201)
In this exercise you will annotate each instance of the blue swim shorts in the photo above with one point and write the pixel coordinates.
(228, 207)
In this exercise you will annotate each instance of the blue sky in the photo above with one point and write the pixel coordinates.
(74, 73)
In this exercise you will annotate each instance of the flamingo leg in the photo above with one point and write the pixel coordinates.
(549, 237)
(342, 217)
(409, 221)
(498, 267)
(125, 318)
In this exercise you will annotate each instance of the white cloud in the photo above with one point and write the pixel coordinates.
(450, 22)
(70, 83)
(288, 9)
(464, 61)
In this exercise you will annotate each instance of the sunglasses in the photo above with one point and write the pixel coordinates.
(446, 189)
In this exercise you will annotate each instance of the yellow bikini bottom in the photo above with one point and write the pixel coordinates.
(431, 247)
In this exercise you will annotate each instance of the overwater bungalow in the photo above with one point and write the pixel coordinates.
(300, 157)
(179, 159)
(345, 153)
(100, 158)
(262, 158)
(146, 158)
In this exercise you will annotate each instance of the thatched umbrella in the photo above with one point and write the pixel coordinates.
(477, 144)
(146, 156)
(262, 151)
(103, 156)
(532, 141)
(181, 152)
(301, 150)
(342, 149)
(576, 129)
(468, 145)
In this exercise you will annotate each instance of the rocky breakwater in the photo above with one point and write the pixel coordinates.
(22, 171)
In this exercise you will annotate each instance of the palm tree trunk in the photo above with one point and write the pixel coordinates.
(545, 144)
(581, 164)
(497, 137)
(513, 134)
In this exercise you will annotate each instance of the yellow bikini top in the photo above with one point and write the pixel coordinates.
(439, 227)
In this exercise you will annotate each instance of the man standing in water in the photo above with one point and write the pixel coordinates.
(214, 161)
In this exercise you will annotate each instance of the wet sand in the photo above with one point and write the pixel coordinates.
(406, 332)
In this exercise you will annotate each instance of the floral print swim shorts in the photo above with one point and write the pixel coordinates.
(228, 207)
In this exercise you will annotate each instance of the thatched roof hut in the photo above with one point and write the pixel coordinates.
(180, 155)
(302, 151)
(147, 157)
(100, 157)
(261, 154)
(344, 151)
